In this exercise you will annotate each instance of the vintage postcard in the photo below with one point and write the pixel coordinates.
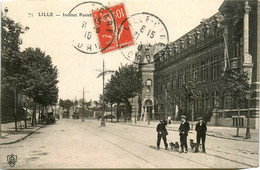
(129, 84)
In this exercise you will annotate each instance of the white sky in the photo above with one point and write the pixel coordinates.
(54, 35)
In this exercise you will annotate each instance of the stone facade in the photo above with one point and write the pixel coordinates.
(228, 39)
(144, 104)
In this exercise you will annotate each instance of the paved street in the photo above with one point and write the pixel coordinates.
(74, 144)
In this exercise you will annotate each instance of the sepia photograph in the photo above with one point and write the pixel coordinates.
(129, 84)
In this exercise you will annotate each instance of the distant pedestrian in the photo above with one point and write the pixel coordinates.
(184, 129)
(162, 133)
(201, 129)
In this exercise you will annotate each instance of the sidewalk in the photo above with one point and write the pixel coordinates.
(215, 131)
(9, 135)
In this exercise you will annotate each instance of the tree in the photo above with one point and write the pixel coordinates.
(96, 104)
(30, 72)
(10, 57)
(66, 104)
(88, 104)
(125, 84)
(238, 81)
(76, 102)
(191, 93)
(40, 78)
(112, 91)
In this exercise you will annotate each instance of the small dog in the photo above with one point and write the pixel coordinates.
(174, 146)
(194, 146)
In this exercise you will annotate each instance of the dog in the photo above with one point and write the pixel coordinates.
(194, 146)
(174, 146)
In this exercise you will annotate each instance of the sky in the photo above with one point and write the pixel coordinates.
(56, 35)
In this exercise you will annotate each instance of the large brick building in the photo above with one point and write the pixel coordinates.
(228, 39)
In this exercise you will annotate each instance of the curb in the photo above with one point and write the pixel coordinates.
(212, 135)
(18, 140)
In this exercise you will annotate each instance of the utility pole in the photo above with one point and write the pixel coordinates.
(103, 72)
(103, 87)
(166, 101)
(1, 95)
(0, 106)
(103, 98)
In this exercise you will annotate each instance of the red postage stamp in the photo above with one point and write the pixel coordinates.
(122, 39)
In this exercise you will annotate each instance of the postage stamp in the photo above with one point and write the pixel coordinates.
(105, 28)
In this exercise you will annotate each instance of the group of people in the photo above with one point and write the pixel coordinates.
(184, 128)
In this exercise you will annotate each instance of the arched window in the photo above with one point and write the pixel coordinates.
(148, 102)
(204, 102)
(148, 58)
(148, 85)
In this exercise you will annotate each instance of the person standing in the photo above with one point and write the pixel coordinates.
(184, 129)
(162, 133)
(201, 129)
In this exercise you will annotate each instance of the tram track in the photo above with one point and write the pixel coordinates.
(116, 145)
(226, 157)
(221, 157)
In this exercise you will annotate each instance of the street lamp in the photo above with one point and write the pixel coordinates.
(138, 103)
(135, 114)
(148, 113)
(248, 96)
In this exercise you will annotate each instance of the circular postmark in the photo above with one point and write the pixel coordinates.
(93, 18)
(149, 34)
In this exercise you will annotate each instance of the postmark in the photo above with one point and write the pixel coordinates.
(121, 38)
(149, 34)
(86, 40)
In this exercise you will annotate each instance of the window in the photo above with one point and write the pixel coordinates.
(211, 65)
(148, 58)
(148, 84)
(203, 67)
(195, 69)
(239, 46)
(204, 102)
(174, 81)
(180, 78)
(148, 103)
(187, 76)
(239, 121)
(168, 84)
(206, 70)
(173, 84)
(215, 68)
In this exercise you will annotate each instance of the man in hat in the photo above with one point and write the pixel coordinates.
(184, 129)
(201, 129)
(162, 133)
